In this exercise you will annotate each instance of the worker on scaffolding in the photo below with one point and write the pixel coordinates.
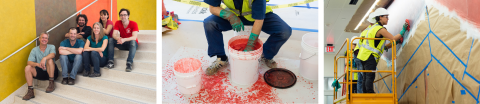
(355, 76)
(370, 51)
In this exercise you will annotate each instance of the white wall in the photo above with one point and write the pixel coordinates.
(329, 62)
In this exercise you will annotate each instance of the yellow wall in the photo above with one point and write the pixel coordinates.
(17, 28)
(144, 12)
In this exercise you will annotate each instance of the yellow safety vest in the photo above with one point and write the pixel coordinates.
(367, 47)
(246, 9)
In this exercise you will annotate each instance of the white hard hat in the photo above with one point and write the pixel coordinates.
(354, 41)
(378, 12)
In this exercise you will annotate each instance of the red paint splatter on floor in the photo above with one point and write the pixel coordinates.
(216, 90)
(240, 44)
(187, 65)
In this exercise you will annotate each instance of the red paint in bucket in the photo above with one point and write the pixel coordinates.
(240, 44)
(187, 65)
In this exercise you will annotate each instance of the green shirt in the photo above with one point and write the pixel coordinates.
(99, 44)
(36, 55)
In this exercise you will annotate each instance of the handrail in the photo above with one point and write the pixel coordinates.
(350, 70)
(47, 31)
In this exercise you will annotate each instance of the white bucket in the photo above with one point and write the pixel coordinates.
(309, 56)
(191, 89)
(244, 65)
(247, 31)
(186, 81)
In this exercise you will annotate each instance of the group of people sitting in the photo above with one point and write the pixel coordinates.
(85, 47)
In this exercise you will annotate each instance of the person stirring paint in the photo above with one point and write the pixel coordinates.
(237, 14)
(370, 51)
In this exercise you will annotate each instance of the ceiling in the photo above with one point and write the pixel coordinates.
(339, 24)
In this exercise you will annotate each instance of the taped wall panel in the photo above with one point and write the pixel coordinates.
(436, 65)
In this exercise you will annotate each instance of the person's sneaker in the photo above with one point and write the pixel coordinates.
(51, 86)
(30, 94)
(269, 63)
(110, 64)
(216, 65)
(71, 81)
(86, 74)
(95, 75)
(65, 81)
(129, 67)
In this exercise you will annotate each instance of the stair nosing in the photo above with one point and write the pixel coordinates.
(130, 72)
(55, 94)
(106, 79)
(28, 100)
(105, 94)
(144, 61)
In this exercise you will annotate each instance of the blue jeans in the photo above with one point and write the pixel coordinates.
(360, 74)
(279, 33)
(93, 58)
(131, 46)
(71, 67)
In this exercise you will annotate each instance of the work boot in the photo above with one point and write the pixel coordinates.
(86, 73)
(71, 81)
(217, 64)
(51, 86)
(269, 63)
(95, 75)
(110, 64)
(30, 94)
(129, 67)
(65, 81)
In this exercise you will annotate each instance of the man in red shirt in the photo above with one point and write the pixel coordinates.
(124, 38)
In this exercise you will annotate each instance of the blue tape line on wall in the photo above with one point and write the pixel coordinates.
(463, 92)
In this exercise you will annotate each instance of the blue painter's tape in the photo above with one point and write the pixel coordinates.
(385, 82)
(415, 86)
(428, 74)
(412, 56)
(449, 49)
(414, 80)
(468, 59)
(453, 101)
(438, 61)
(463, 92)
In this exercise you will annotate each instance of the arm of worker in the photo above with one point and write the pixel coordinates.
(116, 34)
(101, 49)
(216, 10)
(256, 29)
(33, 64)
(387, 34)
(44, 59)
(67, 51)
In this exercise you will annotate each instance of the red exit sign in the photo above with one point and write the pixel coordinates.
(330, 49)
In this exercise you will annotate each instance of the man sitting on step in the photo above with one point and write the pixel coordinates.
(83, 31)
(41, 66)
(71, 57)
(124, 38)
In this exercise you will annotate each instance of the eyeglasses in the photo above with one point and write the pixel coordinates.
(123, 14)
(386, 16)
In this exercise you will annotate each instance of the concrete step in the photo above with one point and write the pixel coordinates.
(139, 55)
(126, 89)
(147, 46)
(149, 37)
(139, 66)
(85, 94)
(138, 78)
(41, 97)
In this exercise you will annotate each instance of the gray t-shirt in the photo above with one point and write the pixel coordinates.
(36, 55)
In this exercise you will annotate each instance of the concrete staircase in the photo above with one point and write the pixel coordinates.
(115, 86)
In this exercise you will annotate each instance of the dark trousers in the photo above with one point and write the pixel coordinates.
(93, 58)
(368, 78)
(131, 46)
(279, 33)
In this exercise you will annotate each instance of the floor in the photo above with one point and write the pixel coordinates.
(190, 41)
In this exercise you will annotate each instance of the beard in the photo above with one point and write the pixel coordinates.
(81, 24)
